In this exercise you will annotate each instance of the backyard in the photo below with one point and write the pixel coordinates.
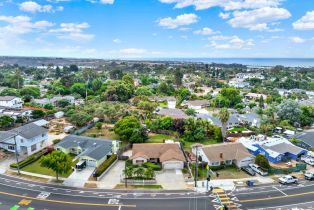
(36, 168)
(158, 138)
(238, 130)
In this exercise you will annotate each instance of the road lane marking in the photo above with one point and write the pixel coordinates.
(277, 197)
(15, 207)
(25, 202)
(280, 191)
(67, 202)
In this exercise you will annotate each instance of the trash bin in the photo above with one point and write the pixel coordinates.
(250, 183)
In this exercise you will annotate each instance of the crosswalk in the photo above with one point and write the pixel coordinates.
(225, 200)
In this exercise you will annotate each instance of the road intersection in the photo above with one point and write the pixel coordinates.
(27, 195)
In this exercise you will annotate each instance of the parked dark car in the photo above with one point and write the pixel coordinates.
(248, 170)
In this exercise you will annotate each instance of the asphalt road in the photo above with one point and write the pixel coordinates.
(17, 194)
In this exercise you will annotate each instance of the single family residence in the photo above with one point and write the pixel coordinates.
(11, 101)
(93, 150)
(169, 155)
(197, 104)
(29, 138)
(224, 154)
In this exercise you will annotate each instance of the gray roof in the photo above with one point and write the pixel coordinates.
(284, 148)
(307, 137)
(215, 120)
(92, 147)
(27, 131)
(30, 130)
(250, 117)
(174, 113)
(7, 98)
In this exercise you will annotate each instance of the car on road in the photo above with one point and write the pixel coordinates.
(288, 180)
(258, 169)
(309, 175)
(248, 170)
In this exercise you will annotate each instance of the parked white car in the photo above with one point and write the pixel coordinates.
(288, 180)
(308, 160)
(258, 169)
(309, 175)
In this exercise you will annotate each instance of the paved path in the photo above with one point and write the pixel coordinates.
(79, 178)
(112, 178)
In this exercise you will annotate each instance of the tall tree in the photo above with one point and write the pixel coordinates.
(224, 116)
(178, 76)
(57, 161)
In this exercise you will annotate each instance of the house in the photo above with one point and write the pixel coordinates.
(250, 119)
(224, 154)
(238, 83)
(16, 112)
(171, 101)
(232, 122)
(174, 113)
(255, 96)
(169, 155)
(306, 139)
(11, 101)
(29, 138)
(197, 104)
(93, 150)
(276, 149)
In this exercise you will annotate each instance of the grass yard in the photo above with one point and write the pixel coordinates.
(104, 133)
(158, 138)
(36, 168)
(238, 130)
(187, 144)
(163, 105)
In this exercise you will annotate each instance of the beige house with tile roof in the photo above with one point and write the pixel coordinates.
(169, 155)
(224, 154)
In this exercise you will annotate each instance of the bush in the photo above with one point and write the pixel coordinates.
(56, 141)
(30, 159)
(103, 167)
(152, 166)
(262, 161)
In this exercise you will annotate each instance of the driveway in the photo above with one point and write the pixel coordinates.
(5, 163)
(171, 180)
(112, 178)
(78, 178)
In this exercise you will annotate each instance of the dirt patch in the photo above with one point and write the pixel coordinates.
(90, 185)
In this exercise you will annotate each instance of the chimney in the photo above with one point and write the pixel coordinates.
(221, 155)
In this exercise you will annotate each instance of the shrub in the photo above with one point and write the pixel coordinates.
(56, 141)
(103, 167)
(152, 166)
(262, 161)
(30, 159)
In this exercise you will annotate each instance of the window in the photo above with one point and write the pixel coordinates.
(33, 147)
(228, 162)
(139, 161)
(10, 147)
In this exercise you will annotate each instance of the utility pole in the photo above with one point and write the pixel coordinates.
(196, 167)
(125, 176)
(16, 156)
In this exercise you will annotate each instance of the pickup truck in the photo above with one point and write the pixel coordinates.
(258, 169)
(308, 160)
(309, 175)
(288, 180)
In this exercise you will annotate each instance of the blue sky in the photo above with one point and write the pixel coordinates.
(157, 28)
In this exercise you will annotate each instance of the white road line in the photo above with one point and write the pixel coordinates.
(120, 207)
(279, 207)
(280, 191)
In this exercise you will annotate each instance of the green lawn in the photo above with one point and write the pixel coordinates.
(187, 144)
(163, 104)
(146, 187)
(102, 133)
(36, 168)
(158, 138)
(237, 130)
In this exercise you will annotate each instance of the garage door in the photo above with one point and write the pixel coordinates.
(91, 163)
(173, 165)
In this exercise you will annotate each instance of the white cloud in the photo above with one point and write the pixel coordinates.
(107, 1)
(117, 41)
(224, 15)
(73, 31)
(230, 42)
(33, 7)
(297, 39)
(306, 22)
(226, 4)
(133, 51)
(181, 20)
(258, 19)
(205, 31)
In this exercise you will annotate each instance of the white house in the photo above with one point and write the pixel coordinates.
(11, 101)
(16, 112)
(197, 104)
(224, 154)
(29, 138)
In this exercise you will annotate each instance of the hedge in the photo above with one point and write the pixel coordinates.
(152, 166)
(30, 159)
(103, 167)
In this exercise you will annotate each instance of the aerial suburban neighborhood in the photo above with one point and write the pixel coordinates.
(140, 127)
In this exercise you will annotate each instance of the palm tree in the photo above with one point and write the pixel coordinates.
(128, 172)
(224, 116)
(149, 173)
(139, 172)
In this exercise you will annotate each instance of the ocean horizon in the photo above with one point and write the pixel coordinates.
(258, 62)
